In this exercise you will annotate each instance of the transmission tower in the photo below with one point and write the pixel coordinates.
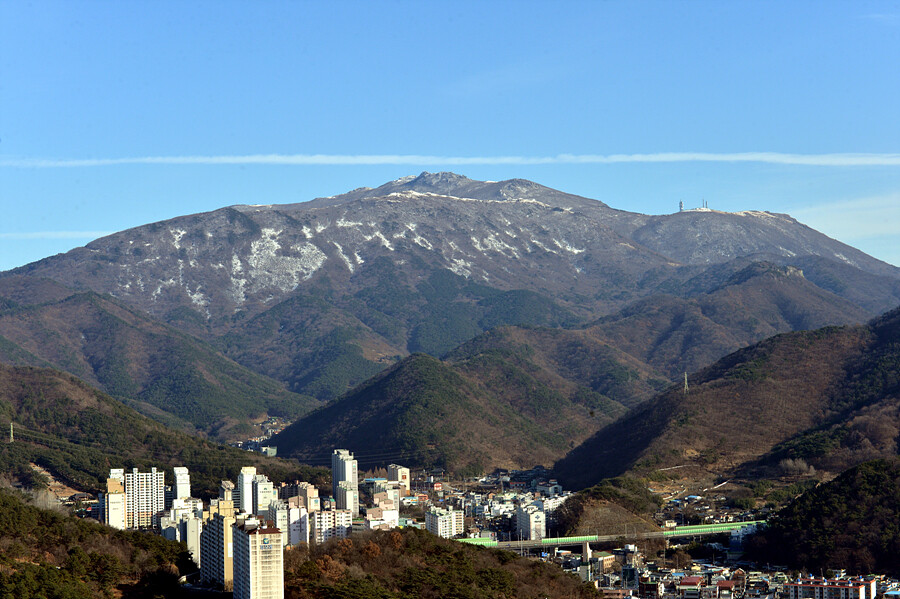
(685, 384)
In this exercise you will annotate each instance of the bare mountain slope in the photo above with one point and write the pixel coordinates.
(323, 294)
(828, 399)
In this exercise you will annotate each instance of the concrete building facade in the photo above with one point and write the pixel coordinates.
(444, 523)
(330, 524)
(258, 561)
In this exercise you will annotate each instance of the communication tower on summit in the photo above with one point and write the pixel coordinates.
(685, 384)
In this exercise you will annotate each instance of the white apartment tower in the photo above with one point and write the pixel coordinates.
(258, 561)
(444, 523)
(329, 524)
(310, 495)
(182, 488)
(263, 494)
(531, 523)
(347, 497)
(344, 470)
(243, 491)
(288, 519)
(145, 496)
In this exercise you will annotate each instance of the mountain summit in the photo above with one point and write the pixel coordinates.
(324, 294)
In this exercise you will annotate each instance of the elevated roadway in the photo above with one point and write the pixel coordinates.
(671, 533)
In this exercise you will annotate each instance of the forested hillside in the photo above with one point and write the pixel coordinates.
(78, 433)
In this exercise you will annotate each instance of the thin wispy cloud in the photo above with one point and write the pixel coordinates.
(855, 218)
(848, 160)
(889, 17)
(56, 235)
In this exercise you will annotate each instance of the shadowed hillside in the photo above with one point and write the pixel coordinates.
(828, 398)
(156, 369)
(491, 409)
(77, 434)
(852, 521)
(735, 410)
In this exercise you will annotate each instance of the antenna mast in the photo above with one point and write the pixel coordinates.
(11, 436)
(685, 384)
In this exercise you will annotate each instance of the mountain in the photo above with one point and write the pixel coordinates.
(567, 360)
(156, 369)
(497, 401)
(323, 294)
(78, 433)
(720, 312)
(825, 399)
(851, 521)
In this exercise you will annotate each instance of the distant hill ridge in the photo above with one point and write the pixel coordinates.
(826, 399)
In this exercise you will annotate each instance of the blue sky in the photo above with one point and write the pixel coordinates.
(116, 114)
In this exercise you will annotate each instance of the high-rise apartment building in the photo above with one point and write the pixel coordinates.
(112, 502)
(330, 524)
(258, 561)
(226, 490)
(444, 523)
(287, 518)
(531, 523)
(347, 497)
(263, 494)
(307, 492)
(243, 491)
(182, 488)
(344, 470)
(216, 545)
(145, 496)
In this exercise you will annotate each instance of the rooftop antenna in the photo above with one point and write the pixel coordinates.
(685, 384)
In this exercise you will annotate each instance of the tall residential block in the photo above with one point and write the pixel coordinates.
(226, 490)
(112, 503)
(330, 524)
(531, 523)
(243, 491)
(307, 492)
(145, 496)
(347, 497)
(344, 469)
(182, 483)
(263, 494)
(288, 519)
(216, 544)
(258, 561)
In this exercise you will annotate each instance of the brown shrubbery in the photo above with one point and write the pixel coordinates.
(415, 563)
